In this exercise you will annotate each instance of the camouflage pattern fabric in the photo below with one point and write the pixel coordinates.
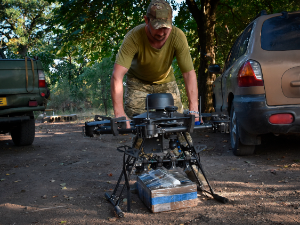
(137, 90)
(182, 140)
(160, 14)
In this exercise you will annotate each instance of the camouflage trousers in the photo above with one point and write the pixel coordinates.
(137, 90)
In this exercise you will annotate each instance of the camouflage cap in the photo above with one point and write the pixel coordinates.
(160, 14)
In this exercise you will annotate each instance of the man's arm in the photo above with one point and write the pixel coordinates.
(191, 87)
(116, 85)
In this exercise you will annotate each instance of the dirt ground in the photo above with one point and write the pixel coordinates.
(62, 178)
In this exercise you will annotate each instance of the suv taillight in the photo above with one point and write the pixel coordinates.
(42, 82)
(250, 74)
(283, 118)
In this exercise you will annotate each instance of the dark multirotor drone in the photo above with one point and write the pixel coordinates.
(160, 123)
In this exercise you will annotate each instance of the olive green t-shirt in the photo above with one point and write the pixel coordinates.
(150, 64)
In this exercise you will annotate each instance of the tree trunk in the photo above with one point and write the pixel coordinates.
(205, 18)
(23, 49)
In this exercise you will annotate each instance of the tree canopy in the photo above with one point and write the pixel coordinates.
(96, 26)
(24, 23)
(78, 33)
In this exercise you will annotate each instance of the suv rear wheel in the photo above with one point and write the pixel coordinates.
(24, 133)
(238, 148)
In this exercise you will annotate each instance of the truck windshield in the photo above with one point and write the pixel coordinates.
(281, 33)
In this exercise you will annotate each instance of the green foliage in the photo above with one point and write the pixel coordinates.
(23, 24)
(44, 51)
(186, 23)
(80, 89)
(96, 80)
(97, 26)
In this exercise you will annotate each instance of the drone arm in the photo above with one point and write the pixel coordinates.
(91, 129)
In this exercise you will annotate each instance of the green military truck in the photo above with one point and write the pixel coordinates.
(22, 90)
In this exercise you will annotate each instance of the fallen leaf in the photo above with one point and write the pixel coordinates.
(63, 184)
(110, 174)
(54, 196)
(7, 174)
(2, 179)
(206, 135)
(112, 219)
(225, 141)
(63, 221)
(17, 181)
(64, 188)
(52, 181)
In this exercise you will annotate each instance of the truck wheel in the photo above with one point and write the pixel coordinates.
(24, 133)
(238, 148)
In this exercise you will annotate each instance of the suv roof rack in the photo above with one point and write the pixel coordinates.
(285, 14)
(261, 13)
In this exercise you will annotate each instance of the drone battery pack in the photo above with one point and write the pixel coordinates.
(162, 190)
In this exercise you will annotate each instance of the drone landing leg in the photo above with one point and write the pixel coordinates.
(198, 164)
(128, 165)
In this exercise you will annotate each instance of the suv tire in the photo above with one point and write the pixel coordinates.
(238, 148)
(24, 133)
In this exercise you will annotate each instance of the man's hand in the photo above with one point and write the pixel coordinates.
(127, 122)
(190, 80)
(197, 119)
(117, 91)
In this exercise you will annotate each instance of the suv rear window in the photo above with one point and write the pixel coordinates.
(281, 33)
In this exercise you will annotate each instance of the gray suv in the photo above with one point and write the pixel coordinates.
(259, 85)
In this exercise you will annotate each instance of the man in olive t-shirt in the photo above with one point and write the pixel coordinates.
(146, 57)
